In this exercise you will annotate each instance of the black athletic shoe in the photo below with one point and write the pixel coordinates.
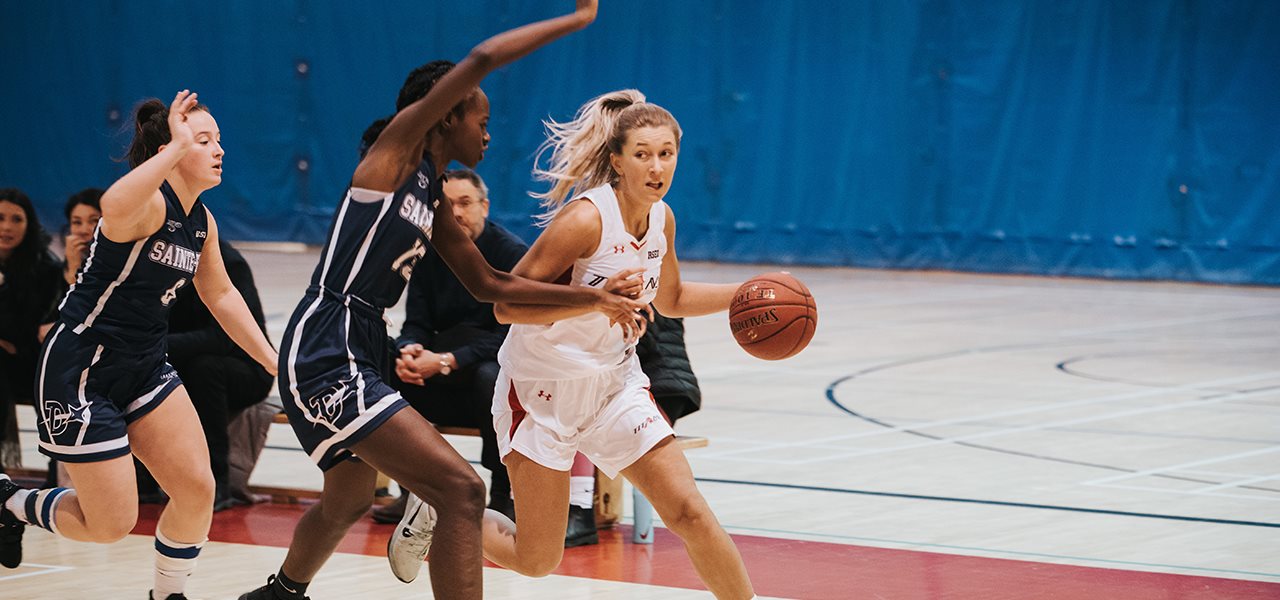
(10, 527)
(581, 530)
(152, 596)
(271, 591)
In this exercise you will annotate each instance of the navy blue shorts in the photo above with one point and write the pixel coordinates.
(87, 395)
(332, 362)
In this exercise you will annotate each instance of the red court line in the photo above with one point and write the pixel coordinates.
(791, 568)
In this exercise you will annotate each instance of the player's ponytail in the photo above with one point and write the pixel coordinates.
(150, 130)
(580, 149)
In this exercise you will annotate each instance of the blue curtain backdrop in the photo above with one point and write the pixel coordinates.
(1094, 138)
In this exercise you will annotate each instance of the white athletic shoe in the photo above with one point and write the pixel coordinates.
(408, 546)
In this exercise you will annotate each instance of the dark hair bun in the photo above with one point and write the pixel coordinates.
(151, 111)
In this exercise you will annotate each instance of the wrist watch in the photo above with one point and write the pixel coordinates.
(445, 358)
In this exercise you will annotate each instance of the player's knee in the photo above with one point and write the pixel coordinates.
(541, 564)
(690, 518)
(196, 489)
(108, 530)
(471, 491)
(462, 492)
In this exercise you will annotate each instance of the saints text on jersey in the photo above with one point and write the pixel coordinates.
(417, 212)
(173, 255)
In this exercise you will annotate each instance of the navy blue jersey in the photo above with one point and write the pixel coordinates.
(122, 294)
(373, 245)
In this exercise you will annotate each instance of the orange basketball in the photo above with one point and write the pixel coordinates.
(773, 316)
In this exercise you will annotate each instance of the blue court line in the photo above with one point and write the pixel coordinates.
(997, 551)
(1078, 509)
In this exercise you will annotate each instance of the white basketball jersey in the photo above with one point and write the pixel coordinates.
(585, 345)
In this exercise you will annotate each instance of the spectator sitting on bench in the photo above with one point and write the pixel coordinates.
(447, 351)
(30, 286)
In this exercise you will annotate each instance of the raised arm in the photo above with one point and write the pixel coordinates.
(396, 151)
(133, 207)
(227, 305)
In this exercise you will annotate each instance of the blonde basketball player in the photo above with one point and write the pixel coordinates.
(571, 383)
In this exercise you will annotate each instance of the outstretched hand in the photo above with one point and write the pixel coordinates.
(179, 129)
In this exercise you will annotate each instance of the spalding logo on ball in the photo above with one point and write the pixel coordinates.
(773, 316)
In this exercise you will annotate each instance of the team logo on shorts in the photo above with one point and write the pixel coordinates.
(327, 405)
(644, 424)
(57, 417)
(545, 395)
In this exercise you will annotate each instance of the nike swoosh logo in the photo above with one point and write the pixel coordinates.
(644, 536)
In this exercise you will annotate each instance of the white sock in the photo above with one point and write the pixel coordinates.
(581, 489)
(17, 504)
(38, 507)
(174, 563)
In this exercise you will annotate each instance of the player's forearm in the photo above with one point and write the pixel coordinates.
(233, 315)
(694, 299)
(535, 314)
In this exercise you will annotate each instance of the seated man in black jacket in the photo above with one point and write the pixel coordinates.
(221, 379)
(448, 348)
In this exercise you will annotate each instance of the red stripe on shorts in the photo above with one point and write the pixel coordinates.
(656, 405)
(517, 409)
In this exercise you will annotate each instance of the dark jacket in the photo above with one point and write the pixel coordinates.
(192, 329)
(28, 295)
(665, 360)
(443, 316)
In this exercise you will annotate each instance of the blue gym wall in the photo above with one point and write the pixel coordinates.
(1098, 138)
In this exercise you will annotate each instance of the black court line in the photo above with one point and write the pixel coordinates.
(1068, 366)
(1077, 509)
(831, 397)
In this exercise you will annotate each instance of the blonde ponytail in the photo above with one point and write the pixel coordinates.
(580, 150)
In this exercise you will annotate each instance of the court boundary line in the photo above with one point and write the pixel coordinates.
(1005, 503)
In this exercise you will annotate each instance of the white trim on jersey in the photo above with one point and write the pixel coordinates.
(106, 294)
(292, 366)
(144, 400)
(351, 358)
(88, 262)
(93, 448)
(355, 425)
(366, 244)
(44, 365)
(86, 415)
(337, 229)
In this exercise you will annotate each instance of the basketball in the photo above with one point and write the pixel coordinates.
(773, 316)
